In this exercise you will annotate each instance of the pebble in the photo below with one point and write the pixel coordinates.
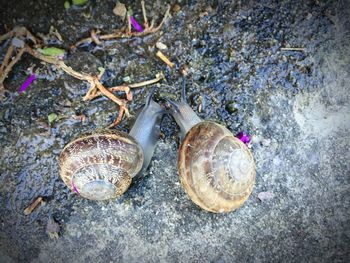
(266, 142)
(231, 107)
(265, 196)
(161, 46)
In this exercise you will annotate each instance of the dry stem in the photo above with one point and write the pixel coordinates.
(145, 20)
(9, 67)
(127, 33)
(293, 49)
(32, 206)
(158, 77)
(6, 59)
(165, 59)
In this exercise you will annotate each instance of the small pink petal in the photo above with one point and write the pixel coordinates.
(26, 84)
(244, 137)
(74, 187)
(136, 25)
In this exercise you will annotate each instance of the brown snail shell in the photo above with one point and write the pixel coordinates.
(216, 169)
(101, 165)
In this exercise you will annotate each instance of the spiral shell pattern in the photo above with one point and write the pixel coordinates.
(216, 169)
(100, 165)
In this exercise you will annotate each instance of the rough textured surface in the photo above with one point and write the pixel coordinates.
(295, 104)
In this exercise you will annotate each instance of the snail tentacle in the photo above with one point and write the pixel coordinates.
(146, 129)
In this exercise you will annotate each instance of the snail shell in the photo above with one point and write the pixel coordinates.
(216, 169)
(101, 165)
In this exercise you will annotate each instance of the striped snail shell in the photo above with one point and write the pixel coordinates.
(100, 165)
(216, 169)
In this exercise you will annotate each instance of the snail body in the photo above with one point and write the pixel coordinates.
(100, 165)
(215, 168)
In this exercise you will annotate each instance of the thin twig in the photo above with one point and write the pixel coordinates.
(11, 64)
(145, 21)
(32, 206)
(126, 89)
(7, 35)
(6, 59)
(158, 77)
(164, 19)
(165, 59)
(126, 33)
(129, 26)
(109, 94)
(94, 37)
(293, 49)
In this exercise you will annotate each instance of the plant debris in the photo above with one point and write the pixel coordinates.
(126, 32)
(33, 205)
(164, 59)
(66, 5)
(52, 117)
(26, 84)
(293, 49)
(244, 137)
(120, 10)
(135, 25)
(53, 56)
(80, 2)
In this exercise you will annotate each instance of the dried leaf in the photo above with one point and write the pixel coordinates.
(120, 10)
(66, 5)
(51, 51)
(79, 2)
(52, 117)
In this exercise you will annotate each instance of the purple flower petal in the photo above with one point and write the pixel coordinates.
(74, 187)
(244, 137)
(136, 25)
(25, 85)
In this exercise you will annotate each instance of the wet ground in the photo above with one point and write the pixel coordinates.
(294, 103)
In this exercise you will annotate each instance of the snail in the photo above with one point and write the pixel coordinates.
(215, 168)
(100, 165)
